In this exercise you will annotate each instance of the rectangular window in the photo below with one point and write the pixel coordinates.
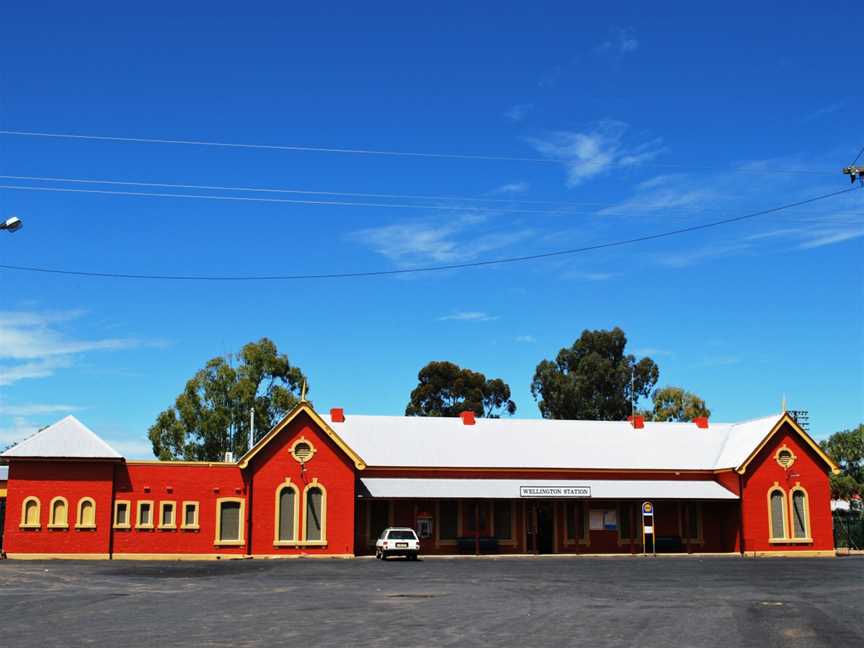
(190, 515)
(379, 517)
(145, 515)
(503, 519)
(166, 515)
(799, 515)
(448, 512)
(778, 514)
(314, 514)
(575, 520)
(121, 514)
(229, 515)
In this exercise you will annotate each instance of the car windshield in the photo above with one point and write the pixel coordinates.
(402, 535)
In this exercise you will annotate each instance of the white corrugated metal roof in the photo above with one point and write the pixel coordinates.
(4, 473)
(514, 488)
(541, 443)
(68, 438)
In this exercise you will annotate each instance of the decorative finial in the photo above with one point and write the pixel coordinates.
(303, 392)
(783, 404)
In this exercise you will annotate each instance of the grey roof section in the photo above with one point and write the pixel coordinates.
(4, 473)
(513, 488)
(68, 438)
(415, 442)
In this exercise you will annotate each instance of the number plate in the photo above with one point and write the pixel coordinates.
(401, 544)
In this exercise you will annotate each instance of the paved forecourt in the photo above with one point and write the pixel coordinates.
(547, 601)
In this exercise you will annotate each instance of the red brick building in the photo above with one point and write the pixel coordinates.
(327, 485)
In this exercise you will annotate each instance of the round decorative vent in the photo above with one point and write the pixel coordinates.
(302, 450)
(785, 457)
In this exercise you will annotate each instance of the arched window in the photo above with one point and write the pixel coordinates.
(286, 513)
(58, 514)
(800, 514)
(315, 507)
(777, 513)
(86, 514)
(30, 510)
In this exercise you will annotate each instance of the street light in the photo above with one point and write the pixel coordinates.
(12, 224)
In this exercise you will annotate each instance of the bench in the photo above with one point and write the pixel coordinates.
(669, 544)
(468, 544)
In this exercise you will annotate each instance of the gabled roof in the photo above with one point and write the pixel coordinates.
(68, 438)
(806, 438)
(304, 407)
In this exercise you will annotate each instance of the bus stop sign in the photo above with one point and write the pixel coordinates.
(648, 509)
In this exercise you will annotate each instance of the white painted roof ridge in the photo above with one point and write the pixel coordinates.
(743, 438)
(68, 438)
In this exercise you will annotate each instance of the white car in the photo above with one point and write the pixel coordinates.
(397, 541)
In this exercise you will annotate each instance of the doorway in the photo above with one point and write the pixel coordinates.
(540, 527)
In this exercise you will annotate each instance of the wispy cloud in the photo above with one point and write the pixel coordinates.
(526, 339)
(511, 188)
(35, 409)
(550, 77)
(589, 276)
(468, 316)
(621, 41)
(822, 112)
(596, 151)
(652, 351)
(518, 112)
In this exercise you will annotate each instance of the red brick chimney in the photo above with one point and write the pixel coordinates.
(467, 418)
(701, 422)
(638, 421)
(337, 415)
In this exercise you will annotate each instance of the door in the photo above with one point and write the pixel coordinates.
(540, 527)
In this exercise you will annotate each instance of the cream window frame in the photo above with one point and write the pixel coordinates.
(241, 519)
(24, 524)
(784, 512)
(792, 460)
(323, 541)
(81, 502)
(138, 524)
(128, 523)
(295, 541)
(172, 525)
(312, 450)
(52, 523)
(808, 535)
(196, 524)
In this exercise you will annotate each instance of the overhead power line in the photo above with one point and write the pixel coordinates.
(773, 170)
(438, 268)
(860, 153)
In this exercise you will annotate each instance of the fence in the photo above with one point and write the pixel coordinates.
(848, 532)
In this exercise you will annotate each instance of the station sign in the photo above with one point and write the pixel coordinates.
(554, 491)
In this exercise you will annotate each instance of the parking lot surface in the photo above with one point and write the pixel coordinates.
(548, 601)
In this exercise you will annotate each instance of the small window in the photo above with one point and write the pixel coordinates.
(302, 450)
(314, 514)
(402, 534)
(777, 513)
(286, 513)
(503, 519)
(121, 514)
(59, 514)
(448, 512)
(86, 514)
(800, 515)
(229, 521)
(190, 515)
(145, 515)
(167, 515)
(30, 513)
(785, 457)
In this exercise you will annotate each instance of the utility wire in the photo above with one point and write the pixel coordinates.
(438, 268)
(857, 156)
(381, 152)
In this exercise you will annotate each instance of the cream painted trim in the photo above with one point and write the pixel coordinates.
(808, 535)
(128, 523)
(791, 541)
(241, 519)
(57, 556)
(52, 520)
(179, 556)
(159, 462)
(3, 492)
(800, 431)
(277, 541)
(195, 525)
(297, 442)
(287, 556)
(300, 543)
(771, 538)
(815, 553)
(315, 484)
(78, 523)
(785, 448)
(303, 406)
(24, 524)
(173, 523)
(138, 524)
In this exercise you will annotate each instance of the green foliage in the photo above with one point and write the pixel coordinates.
(676, 404)
(211, 415)
(592, 379)
(445, 389)
(846, 448)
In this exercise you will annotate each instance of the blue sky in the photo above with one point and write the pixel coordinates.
(642, 119)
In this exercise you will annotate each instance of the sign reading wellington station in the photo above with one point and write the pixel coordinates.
(554, 491)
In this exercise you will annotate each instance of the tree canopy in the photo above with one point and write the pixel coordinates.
(846, 448)
(676, 404)
(446, 389)
(211, 415)
(592, 379)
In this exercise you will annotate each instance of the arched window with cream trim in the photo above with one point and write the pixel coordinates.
(58, 513)
(86, 517)
(777, 513)
(286, 523)
(30, 513)
(315, 510)
(800, 514)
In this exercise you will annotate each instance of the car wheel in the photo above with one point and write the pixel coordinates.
(377, 554)
(383, 556)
